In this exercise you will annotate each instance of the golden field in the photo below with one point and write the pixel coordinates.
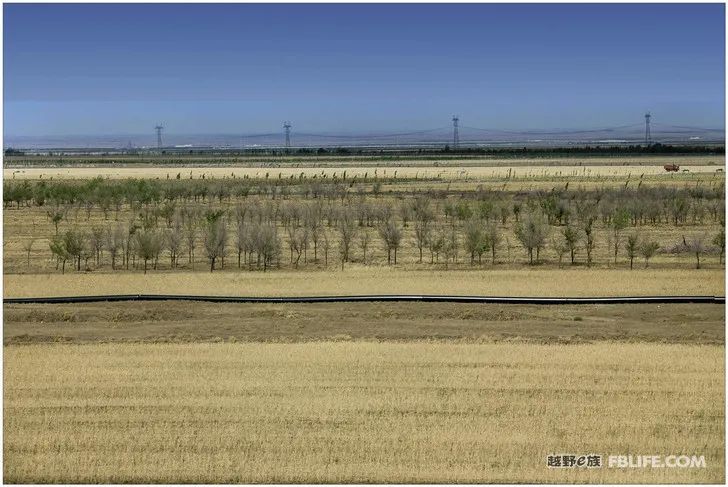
(357, 412)
(359, 160)
(358, 279)
(698, 168)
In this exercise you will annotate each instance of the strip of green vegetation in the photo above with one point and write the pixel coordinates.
(349, 154)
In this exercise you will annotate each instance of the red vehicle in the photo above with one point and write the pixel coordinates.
(671, 167)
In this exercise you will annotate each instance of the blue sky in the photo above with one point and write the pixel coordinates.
(119, 69)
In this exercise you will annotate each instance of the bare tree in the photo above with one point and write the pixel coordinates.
(474, 239)
(391, 235)
(422, 235)
(632, 247)
(115, 243)
(173, 240)
(28, 247)
(450, 247)
(58, 249)
(241, 239)
(678, 207)
(215, 238)
(326, 244)
(75, 244)
(56, 216)
(436, 244)
(423, 216)
(648, 250)
(299, 240)
(148, 245)
(315, 230)
(96, 242)
(696, 246)
(290, 230)
(532, 231)
(588, 227)
(571, 240)
(620, 221)
(347, 231)
(421, 209)
(560, 248)
(364, 240)
(587, 213)
(719, 242)
(191, 239)
(268, 244)
(493, 238)
(405, 213)
(130, 242)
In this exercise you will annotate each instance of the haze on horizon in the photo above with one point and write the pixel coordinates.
(225, 68)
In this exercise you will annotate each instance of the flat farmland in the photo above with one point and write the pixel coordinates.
(499, 170)
(349, 161)
(669, 216)
(189, 392)
(357, 412)
(379, 280)
(193, 322)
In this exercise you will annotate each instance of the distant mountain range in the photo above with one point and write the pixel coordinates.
(468, 136)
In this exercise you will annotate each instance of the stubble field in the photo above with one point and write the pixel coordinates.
(528, 169)
(358, 279)
(357, 412)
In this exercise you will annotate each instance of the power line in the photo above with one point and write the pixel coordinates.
(455, 130)
(370, 136)
(253, 136)
(554, 132)
(686, 127)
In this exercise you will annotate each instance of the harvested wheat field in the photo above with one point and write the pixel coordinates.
(379, 280)
(357, 412)
(184, 322)
(489, 170)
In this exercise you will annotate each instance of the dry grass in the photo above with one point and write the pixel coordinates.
(357, 412)
(358, 279)
(530, 169)
(185, 322)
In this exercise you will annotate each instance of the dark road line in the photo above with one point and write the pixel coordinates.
(371, 298)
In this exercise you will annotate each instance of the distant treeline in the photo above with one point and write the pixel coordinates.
(588, 150)
(510, 151)
(596, 150)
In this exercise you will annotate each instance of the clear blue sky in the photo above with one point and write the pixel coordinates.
(119, 69)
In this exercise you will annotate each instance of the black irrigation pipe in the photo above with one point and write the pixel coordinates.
(370, 298)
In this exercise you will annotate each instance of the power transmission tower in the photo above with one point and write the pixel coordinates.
(455, 134)
(287, 126)
(648, 135)
(159, 128)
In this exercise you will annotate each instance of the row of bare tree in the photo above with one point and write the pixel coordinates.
(257, 242)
